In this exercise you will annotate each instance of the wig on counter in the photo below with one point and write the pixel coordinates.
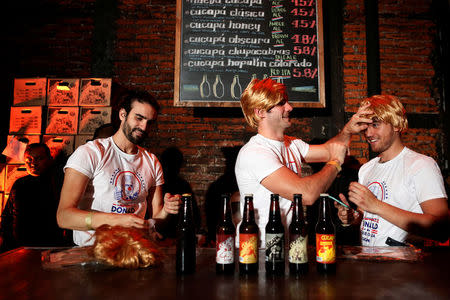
(125, 247)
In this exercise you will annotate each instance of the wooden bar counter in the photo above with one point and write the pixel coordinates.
(23, 277)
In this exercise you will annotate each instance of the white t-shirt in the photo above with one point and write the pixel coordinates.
(405, 182)
(119, 182)
(256, 160)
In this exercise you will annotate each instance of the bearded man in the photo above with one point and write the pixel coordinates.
(113, 180)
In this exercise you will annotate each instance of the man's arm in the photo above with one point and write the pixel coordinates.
(162, 207)
(286, 183)
(357, 123)
(324, 152)
(71, 217)
(432, 223)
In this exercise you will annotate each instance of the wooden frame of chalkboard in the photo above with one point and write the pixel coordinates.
(221, 45)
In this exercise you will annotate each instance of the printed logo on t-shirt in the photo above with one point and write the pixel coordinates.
(127, 188)
(370, 224)
(379, 189)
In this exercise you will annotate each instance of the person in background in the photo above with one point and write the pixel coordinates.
(172, 160)
(113, 180)
(224, 184)
(29, 218)
(399, 192)
(271, 161)
(104, 131)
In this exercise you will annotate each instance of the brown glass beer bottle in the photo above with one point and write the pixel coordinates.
(248, 239)
(186, 239)
(325, 238)
(274, 239)
(225, 233)
(298, 239)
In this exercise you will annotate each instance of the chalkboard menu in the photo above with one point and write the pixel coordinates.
(221, 45)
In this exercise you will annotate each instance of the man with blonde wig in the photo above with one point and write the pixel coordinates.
(400, 192)
(271, 161)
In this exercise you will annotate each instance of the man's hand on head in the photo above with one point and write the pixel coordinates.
(359, 121)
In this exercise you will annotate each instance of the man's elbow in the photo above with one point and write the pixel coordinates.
(60, 219)
(309, 194)
(438, 229)
(309, 198)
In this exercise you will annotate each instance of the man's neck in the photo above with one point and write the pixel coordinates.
(123, 143)
(270, 133)
(392, 151)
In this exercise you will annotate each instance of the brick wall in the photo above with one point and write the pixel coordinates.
(58, 42)
(355, 67)
(407, 34)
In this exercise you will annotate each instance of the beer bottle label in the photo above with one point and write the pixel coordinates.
(225, 249)
(275, 247)
(325, 248)
(298, 249)
(248, 248)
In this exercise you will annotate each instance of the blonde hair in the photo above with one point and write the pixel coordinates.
(261, 94)
(124, 247)
(388, 109)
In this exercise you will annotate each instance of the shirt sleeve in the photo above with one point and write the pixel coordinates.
(361, 174)
(84, 160)
(259, 162)
(302, 147)
(428, 180)
(159, 180)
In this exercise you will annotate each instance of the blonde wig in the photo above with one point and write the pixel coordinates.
(261, 94)
(124, 247)
(388, 109)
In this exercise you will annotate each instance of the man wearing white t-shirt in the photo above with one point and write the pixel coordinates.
(114, 181)
(400, 191)
(271, 161)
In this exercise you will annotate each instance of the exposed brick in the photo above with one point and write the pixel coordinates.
(144, 48)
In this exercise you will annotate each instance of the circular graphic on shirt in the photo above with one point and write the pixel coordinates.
(378, 189)
(127, 187)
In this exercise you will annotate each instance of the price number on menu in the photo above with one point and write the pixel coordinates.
(303, 2)
(305, 73)
(303, 12)
(304, 23)
(305, 50)
(305, 39)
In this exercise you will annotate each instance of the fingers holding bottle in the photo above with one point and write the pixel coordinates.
(172, 203)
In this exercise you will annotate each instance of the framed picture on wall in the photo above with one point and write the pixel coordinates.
(221, 47)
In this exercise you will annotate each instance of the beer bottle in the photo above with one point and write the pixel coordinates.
(274, 239)
(225, 233)
(325, 238)
(248, 239)
(298, 239)
(186, 239)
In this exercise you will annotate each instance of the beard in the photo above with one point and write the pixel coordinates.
(135, 139)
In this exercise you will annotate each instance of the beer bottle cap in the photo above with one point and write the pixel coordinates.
(248, 195)
(324, 195)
